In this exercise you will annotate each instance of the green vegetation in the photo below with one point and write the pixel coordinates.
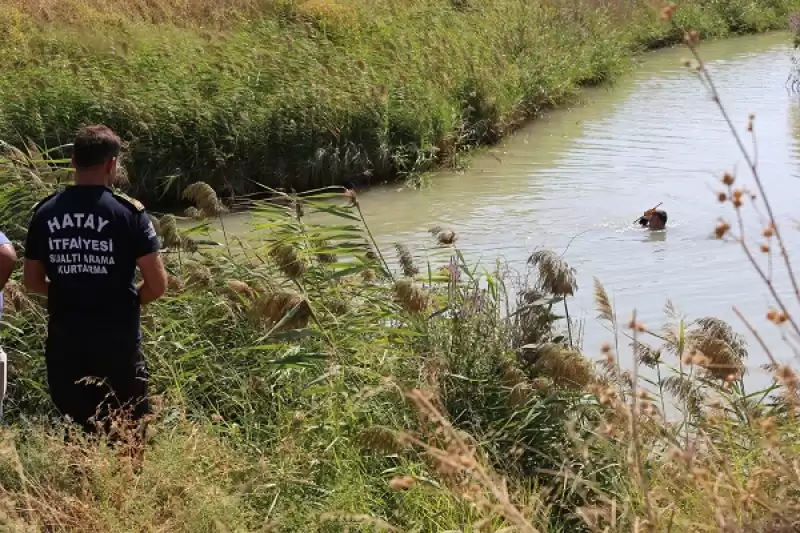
(304, 382)
(309, 94)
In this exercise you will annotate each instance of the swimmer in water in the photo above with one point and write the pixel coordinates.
(654, 219)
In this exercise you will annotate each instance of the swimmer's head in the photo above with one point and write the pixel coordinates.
(658, 220)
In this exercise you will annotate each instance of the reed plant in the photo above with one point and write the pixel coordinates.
(289, 349)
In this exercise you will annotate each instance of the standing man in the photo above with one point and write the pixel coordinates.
(83, 246)
(8, 259)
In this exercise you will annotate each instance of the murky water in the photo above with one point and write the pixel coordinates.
(576, 179)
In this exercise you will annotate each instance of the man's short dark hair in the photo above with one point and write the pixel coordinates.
(94, 145)
(662, 215)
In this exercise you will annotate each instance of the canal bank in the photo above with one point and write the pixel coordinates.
(304, 95)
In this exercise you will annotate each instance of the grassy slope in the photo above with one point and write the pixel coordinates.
(318, 92)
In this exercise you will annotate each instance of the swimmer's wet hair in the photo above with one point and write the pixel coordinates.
(662, 215)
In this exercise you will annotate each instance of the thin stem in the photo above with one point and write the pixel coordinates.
(569, 325)
(756, 335)
(374, 242)
(224, 234)
(635, 444)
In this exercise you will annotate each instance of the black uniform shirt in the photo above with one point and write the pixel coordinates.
(89, 239)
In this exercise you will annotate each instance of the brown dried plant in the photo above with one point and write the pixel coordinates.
(167, 229)
(410, 296)
(205, 199)
(457, 459)
(565, 368)
(273, 307)
(288, 260)
(555, 276)
(444, 236)
(406, 261)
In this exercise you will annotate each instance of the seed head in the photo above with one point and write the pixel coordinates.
(700, 473)
(288, 260)
(205, 199)
(668, 12)
(727, 178)
(692, 37)
(768, 424)
(786, 376)
(352, 197)
(765, 248)
(721, 229)
(406, 261)
(399, 483)
(777, 317)
(768, 232)
(722, 197)
(411, 297)
(605, 348)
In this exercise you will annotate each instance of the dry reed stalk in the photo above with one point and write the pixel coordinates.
(167, 229)
(275, 306)
(205, 199)
(288, 260)
(555, 276)
(459, 458)
(443, 236)
(406, 261)
(411, 297)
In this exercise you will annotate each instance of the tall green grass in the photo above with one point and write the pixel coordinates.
(290, 351)
(304, 382)
(305, 95)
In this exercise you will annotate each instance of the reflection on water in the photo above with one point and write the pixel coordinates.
(576, 180)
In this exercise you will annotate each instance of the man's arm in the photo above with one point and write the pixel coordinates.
(34, 274)
(148, 258)
(154, 283)
(34, 277)
(8, 260)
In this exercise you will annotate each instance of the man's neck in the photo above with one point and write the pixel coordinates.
(90, 178)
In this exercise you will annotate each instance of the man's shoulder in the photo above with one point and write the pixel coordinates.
(45, 201)
(130, 203)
